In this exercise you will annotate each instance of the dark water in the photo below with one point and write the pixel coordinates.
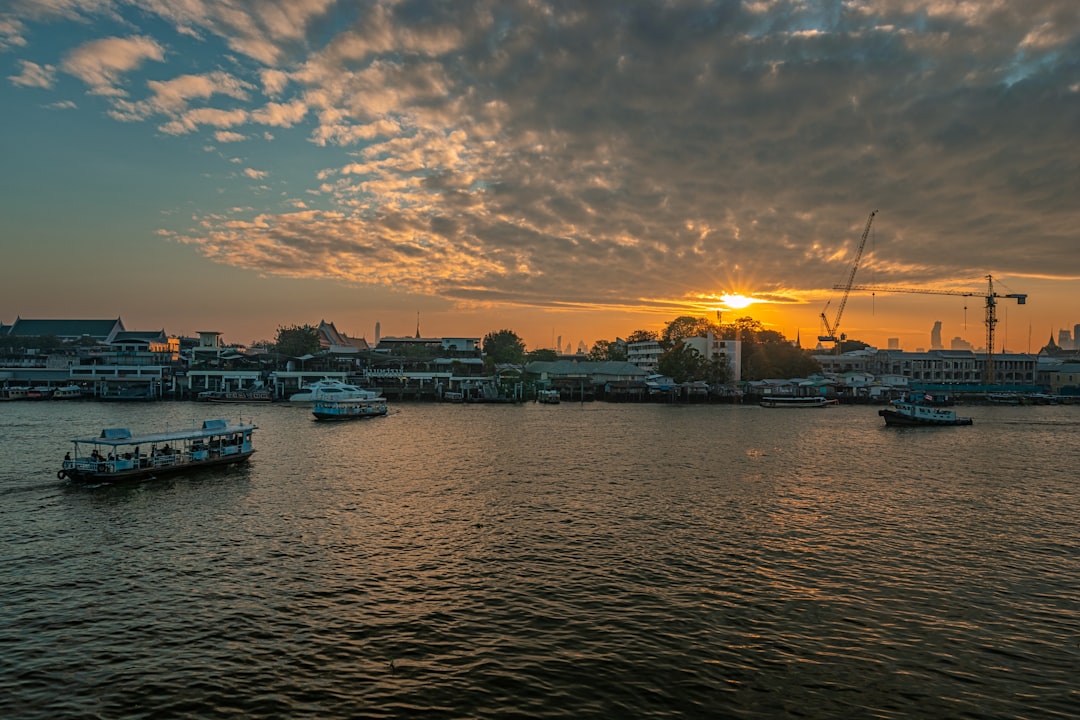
(549, 562)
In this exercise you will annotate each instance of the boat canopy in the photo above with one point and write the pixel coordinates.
(114, 437)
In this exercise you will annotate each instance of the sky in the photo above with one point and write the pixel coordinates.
(571, 171)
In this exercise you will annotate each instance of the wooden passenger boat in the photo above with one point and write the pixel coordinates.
(117, 454)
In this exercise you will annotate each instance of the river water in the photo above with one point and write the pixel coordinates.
(535, 561)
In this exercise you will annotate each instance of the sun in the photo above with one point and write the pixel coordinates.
(737, 302)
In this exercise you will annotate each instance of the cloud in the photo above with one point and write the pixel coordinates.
(173, 96)
(613, 154)
(190, 120)
(280, 114)
(225, 136)
(101, 63)
(11, 33)
(34, 75)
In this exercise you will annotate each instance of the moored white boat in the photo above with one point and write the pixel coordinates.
(235, 396)
(117, 454)
(330, 389)
(549, 397)
(797, 402)
(349, 409)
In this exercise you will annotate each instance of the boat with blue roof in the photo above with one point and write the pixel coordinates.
(118, 454)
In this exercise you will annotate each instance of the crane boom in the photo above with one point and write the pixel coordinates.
(990, 296)
(831, 330)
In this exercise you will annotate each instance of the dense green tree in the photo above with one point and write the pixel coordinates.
(681, 363)
(686, 326)
(297, 340)
(642, 336)
(778, 360)
(504, 346)
(603, 350)
(542, 355)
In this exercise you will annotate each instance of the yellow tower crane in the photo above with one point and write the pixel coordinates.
(832, 333)
(990, 296)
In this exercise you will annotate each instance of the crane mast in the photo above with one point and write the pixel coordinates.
(990, 296)
(832, 330)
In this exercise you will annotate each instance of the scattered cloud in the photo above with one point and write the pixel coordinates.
(255, 174)
(34, 75)
(225, 136)
(101, 64)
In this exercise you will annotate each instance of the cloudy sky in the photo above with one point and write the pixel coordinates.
(573, 170)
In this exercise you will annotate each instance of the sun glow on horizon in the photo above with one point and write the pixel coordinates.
(737, 302)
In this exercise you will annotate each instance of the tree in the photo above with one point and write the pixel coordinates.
(504, 346)
(681, 363)
(606, 350)
(297, 340)
(778, 360)
(642, 336)
(687, 326)
(542, 355)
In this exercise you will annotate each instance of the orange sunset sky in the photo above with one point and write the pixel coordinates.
(567, 171)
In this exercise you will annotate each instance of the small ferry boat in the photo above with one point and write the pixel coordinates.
(918, 411)
(797, 402)
(353, 409)
(116, 454)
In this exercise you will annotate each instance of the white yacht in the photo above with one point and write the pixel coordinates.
(330, 389)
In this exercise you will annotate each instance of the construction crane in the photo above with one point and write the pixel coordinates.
(990, 296)
(833, 329)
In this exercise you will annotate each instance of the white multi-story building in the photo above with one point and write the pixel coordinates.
(729, 351)
(646, 354)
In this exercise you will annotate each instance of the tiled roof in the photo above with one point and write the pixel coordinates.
(99, 329)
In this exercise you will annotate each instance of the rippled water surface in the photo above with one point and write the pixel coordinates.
(538, 561)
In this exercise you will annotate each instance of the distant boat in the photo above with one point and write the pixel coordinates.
(67, 392)
(116, 454)
(235, 396)
(349, 409)
(916, 410)
(797, 402)
(549, 397)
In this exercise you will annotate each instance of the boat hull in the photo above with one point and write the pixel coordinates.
(143, 473)
(899, 419)
(797, 402)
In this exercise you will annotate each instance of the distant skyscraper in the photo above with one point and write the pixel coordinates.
(1065, 340)
(1076, 337)
(935, 337)
(894, 343)
(377, 333)
(959, 343)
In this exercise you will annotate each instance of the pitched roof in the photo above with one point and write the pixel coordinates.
(97, 329)
(128, 335)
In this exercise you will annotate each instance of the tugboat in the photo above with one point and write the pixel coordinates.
(919, 410)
